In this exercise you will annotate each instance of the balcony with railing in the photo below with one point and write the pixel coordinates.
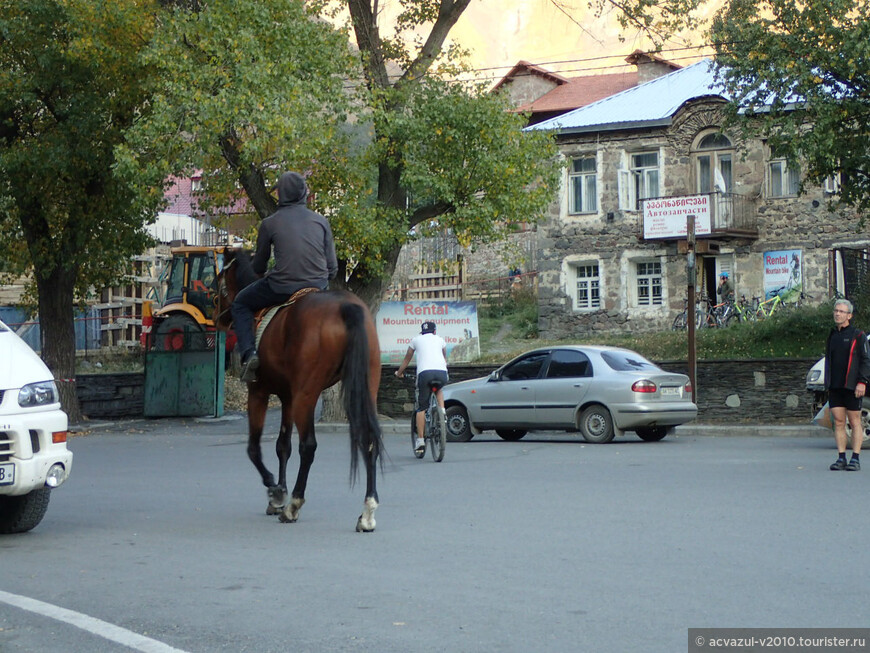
(731, 216)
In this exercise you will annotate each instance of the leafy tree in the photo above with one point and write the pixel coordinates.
(389, 144)
(797, 73)
(69, 86)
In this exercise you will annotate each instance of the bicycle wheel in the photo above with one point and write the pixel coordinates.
(437, 432)
(680, 322)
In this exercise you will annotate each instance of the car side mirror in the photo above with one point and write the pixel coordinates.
(493, 376)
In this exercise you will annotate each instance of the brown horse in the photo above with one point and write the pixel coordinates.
(310, 345)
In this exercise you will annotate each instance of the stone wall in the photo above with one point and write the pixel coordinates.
(760, 391)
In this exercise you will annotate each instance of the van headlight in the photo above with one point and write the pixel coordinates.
(813, 376)
(42, 393)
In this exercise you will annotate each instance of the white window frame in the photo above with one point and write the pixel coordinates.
(832, 184)
(589, 283)
(783, 173)
(631, 176)
(584, 178)
(652, 280)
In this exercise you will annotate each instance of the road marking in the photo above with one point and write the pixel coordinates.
(90, 624)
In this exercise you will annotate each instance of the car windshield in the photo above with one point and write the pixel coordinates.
(627, 361)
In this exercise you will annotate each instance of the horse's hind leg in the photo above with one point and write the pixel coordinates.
(257, 403)
(278, 493)
(366, 522)
(307, 449)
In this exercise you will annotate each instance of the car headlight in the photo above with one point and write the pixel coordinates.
(813, 376)
(38, 394)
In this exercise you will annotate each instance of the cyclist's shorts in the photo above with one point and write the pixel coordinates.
(424, 378)
(842, 397)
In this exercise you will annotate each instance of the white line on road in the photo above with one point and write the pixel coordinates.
(90, 624)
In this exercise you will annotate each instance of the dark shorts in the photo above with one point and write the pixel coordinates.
(424, 378)
(843, 398)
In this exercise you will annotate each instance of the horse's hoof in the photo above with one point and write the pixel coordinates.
(290, 513)
(366, 521)
(361, 528)
(273, 510)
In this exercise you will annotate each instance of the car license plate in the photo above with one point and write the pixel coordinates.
(674, 390)
(7, 474)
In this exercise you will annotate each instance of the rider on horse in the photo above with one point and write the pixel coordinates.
(304, 257)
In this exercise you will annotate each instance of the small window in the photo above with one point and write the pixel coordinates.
(196, 184)
(583, 186)
(649, 283)
(566, 363)
(526, 368)
(783, 181)
(588, 288)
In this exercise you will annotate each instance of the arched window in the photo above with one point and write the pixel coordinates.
(713, 156)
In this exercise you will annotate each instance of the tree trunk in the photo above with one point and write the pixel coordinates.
(56, 319)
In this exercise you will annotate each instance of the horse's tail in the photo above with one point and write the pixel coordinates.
(365, 431)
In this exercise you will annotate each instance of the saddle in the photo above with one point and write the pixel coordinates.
(265, 315)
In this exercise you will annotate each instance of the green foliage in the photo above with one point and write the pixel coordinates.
(796, 71)
(70, 83)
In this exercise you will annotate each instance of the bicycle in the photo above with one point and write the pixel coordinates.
(764, 309)
(743, 312)
(681, 320)
(434, 426)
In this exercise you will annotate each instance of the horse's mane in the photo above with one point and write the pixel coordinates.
(245, 273)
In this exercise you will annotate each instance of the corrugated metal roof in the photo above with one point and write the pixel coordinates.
(651, 104)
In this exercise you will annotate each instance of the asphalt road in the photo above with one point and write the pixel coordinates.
(159, 542)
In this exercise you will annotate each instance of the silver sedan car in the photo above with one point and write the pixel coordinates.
(599, 391)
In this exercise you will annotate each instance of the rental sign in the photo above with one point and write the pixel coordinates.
(666, 217)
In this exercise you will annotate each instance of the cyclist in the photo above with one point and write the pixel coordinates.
(431, 353)
(725, 289)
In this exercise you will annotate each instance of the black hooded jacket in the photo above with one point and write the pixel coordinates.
(301, 238)
(847, 358)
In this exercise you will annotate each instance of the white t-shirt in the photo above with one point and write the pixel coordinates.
(430, 352)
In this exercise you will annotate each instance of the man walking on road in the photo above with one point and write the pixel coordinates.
(847, 371)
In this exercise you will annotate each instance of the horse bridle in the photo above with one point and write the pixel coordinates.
(224, 294)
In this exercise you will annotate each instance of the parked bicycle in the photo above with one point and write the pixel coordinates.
(764, 309)
(434, 426)
(743, 311)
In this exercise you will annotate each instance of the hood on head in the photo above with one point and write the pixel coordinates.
(292, 189)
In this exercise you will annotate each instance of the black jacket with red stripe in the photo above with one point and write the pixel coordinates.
(847, 358)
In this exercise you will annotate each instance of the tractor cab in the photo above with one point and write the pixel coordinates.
(190, 295)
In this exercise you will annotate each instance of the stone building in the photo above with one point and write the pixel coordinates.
(602, 266)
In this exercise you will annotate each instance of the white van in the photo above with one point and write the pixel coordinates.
(34, 457)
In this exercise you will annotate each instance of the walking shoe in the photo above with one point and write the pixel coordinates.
(853, 466)
(420, 446)
(249, 369)
(839, 465)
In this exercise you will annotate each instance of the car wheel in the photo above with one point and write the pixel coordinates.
(652, 433)
(458, 426)
(510, 435)
(19, 514)
(596, 425)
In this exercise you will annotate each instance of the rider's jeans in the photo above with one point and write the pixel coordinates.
(251, 299)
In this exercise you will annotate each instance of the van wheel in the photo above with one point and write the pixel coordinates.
(21, 513)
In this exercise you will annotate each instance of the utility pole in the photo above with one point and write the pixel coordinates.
(690, 309)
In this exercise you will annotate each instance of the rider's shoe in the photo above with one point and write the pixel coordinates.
(249, 369)
(420, 446)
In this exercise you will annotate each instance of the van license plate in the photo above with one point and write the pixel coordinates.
(670, 391)
(7, 474)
